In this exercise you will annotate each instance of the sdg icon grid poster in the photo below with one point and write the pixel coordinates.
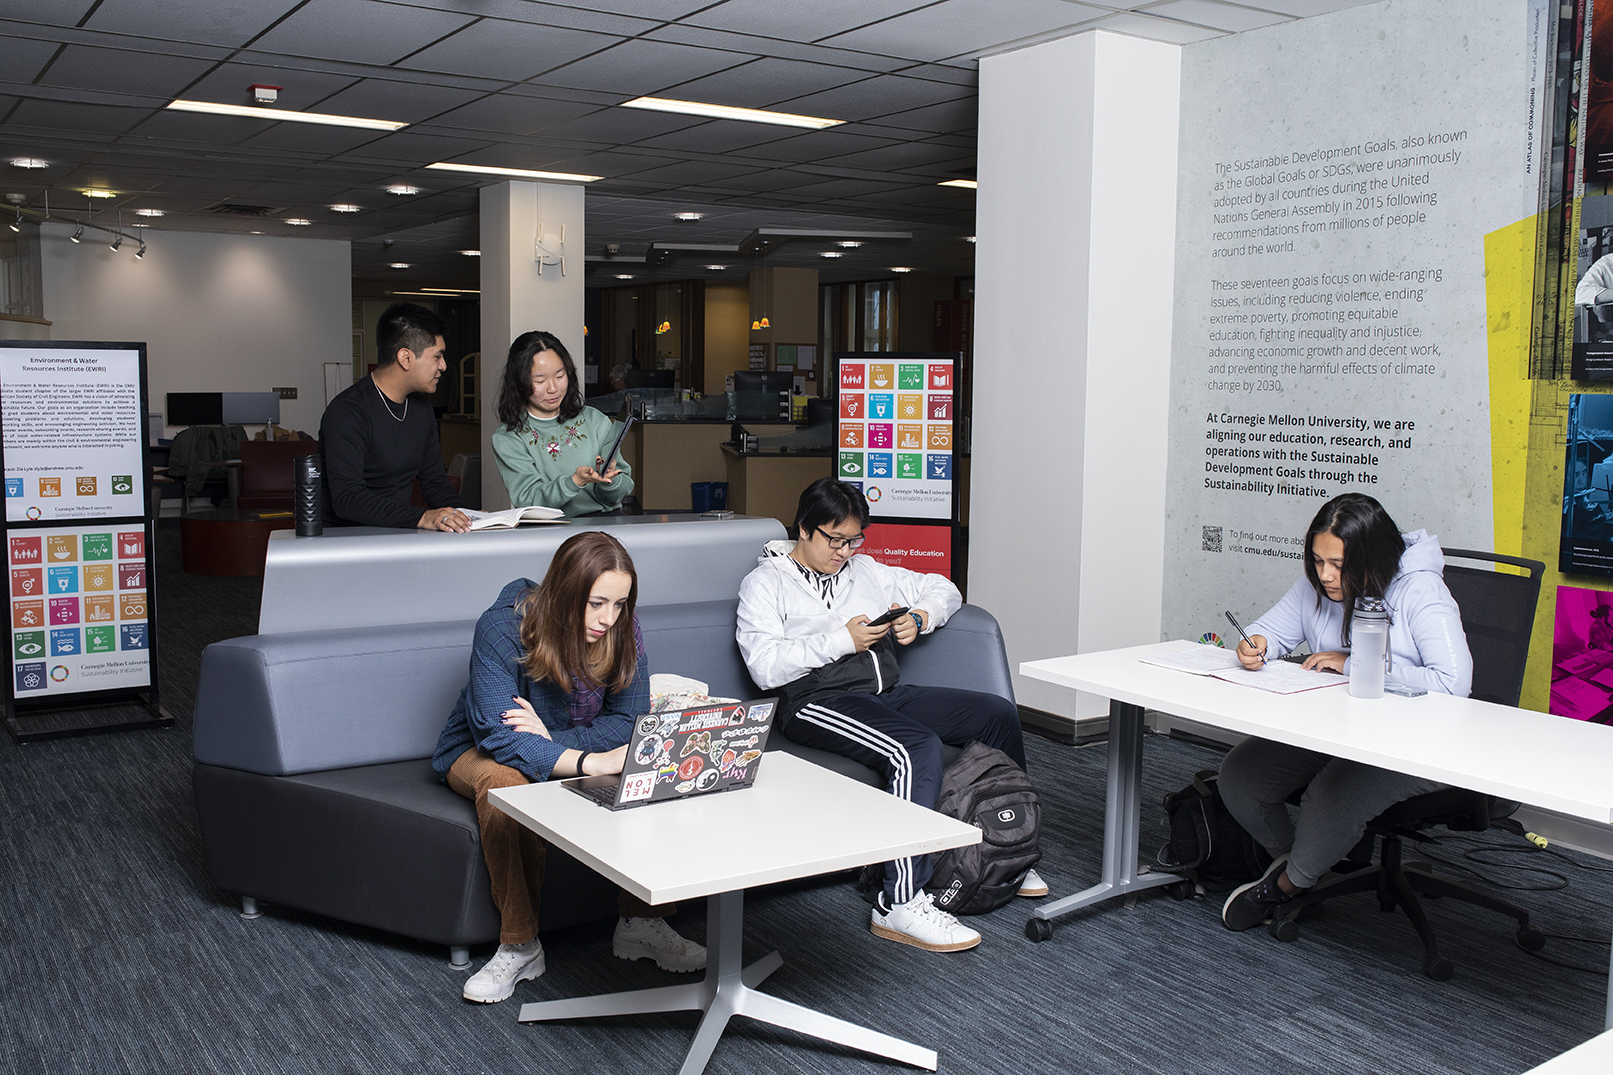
(895, 433)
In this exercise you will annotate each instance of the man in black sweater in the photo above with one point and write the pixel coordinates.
(380, 434)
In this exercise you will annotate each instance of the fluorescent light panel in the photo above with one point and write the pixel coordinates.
(518, 173)
(966, 184)
(286, 115)
(749, 115)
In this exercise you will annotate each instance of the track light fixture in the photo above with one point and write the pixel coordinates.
(17, 224)
(118, 241)
(138, 254)
(78, 236)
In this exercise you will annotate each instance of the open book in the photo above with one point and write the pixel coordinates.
(512, 517)
(1279, 677)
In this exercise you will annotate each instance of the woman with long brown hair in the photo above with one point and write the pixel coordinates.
(558, 676)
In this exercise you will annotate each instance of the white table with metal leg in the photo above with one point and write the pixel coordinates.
(797, 820)
(1536, 758)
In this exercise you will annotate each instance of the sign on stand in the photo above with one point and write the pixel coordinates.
(78, 539)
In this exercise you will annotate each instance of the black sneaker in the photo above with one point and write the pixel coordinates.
(1256, 902)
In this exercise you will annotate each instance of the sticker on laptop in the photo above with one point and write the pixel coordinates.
(700, 742)
(648, 725)
(636, 786)
(737, 716)
(647, 749)
(705, 780)
(690, 768)
(757, 712)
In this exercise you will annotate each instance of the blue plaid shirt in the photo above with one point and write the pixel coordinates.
(584, 718)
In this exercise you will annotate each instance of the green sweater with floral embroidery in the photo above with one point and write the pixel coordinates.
(538, 460)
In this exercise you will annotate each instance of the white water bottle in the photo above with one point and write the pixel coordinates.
(1369, 647)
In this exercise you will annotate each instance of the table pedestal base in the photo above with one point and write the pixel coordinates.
(1121, 820)
(729, 989)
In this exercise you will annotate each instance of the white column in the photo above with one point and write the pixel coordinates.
(517, 297)
(1076, 221)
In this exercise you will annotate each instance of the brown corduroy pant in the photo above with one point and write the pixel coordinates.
(514, 853)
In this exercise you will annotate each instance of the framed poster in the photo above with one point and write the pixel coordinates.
(78, 539)
(896, 437)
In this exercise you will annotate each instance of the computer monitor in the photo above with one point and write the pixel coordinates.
(763, 393)
(650, 378)
(195, 408)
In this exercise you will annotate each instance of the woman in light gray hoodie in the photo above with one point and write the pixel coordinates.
(1353, 550)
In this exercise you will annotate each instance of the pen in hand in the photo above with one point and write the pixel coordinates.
(1239, 628)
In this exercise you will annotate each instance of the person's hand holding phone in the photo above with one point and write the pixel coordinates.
(864, 633)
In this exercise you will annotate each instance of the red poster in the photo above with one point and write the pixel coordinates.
(915, 547)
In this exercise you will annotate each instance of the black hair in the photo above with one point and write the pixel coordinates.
(406, 325)
(1599, 612)
(829, 500)
(1372, 549)
(516, 390)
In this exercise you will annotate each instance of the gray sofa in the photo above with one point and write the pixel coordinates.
(314, 784)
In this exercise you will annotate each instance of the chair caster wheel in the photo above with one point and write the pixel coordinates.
(1284, 929)
(1439, 968)
(1530, 939)
(1039, 929)
(1180, 890)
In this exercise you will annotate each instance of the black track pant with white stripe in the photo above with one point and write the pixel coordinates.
(899, 734)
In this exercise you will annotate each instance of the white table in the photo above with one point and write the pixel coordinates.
(1520, 754)
(798, 820)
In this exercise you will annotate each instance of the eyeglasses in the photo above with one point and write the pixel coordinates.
(841, 542)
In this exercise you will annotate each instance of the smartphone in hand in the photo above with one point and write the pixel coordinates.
(890, 617)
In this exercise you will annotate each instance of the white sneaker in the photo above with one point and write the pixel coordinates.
(923, 925)
(1031, 886)
(510, 964)
(652, 938)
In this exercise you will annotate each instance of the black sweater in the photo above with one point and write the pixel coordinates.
(372, 459)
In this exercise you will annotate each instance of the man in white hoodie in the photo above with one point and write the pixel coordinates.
(805, 632)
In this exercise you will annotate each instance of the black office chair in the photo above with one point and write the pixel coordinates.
(1498, 615)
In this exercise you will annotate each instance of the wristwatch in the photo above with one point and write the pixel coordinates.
(917, 622)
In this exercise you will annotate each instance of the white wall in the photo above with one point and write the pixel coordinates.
(218, 313)
(1076, 224)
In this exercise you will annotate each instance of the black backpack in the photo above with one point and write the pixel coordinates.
(1207, 843)
(985, 788)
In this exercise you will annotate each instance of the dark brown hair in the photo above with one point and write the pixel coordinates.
(1372, 550)
(552, 635)
(516, 390)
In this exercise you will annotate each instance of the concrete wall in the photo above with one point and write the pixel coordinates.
(218, 313)
(1076, 218)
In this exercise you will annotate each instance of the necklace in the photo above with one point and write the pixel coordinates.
(388, 403)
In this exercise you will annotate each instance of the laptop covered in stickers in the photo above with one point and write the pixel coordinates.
(686, 752)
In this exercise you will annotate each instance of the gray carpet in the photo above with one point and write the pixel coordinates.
(118, 954)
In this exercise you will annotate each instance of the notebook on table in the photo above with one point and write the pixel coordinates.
(685, 752)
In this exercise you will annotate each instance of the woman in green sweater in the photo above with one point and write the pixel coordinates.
(548, 443)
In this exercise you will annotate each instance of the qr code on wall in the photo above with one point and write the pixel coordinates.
(1212, 539)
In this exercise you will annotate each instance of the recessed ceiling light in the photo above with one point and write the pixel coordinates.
(149, 212)
(299, 222)
(100, 194)
(848, 244)
(471, 253)
(831, 254)
(29, 162)
(519, 173)
(716, 268)
(966, 184)
(286, 114)
(402, 189)
(687, 216)
(751, 115)
(624, 276)
(400, 265)
(900, 268)
(344, 208)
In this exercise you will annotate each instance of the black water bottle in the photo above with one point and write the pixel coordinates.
(310, 486)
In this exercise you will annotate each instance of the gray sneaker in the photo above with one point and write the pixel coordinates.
(510, 964)
(652, 938)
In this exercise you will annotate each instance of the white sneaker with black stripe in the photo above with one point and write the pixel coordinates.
(922, 924)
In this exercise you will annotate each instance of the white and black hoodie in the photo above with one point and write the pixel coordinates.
(792, 624)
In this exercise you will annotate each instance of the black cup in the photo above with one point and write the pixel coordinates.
(310, 482)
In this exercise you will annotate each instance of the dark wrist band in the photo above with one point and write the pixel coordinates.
(580, 759)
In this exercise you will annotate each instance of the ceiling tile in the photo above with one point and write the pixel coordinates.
(380, 98)
(1304, 9)
(358, 31)
(814, 146)
(635, 68)
(875, 97)
(762, 83)
(940, 72)
(1215, 15)
(21, 58)
(515, 51)
(307, 138)
(214, 22)
(618, 125)
(1154, 29)
(684, 33)
(50, 12)
(200, 129)
(845, 188)
(68, 116)
(499, 156)
(420, 149)
(663, 10)
(718, 136)
(959, 27)
(952, 116)
(507, 114)
(686, 172)
(231, 84)
(611, 164)
(778, 179)
(121, 71)
(562, 15)
(799, 22)
(903, 156)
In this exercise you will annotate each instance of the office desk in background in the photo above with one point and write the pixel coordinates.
(1535, 758)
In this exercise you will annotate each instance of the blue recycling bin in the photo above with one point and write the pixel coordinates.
(709, 496)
